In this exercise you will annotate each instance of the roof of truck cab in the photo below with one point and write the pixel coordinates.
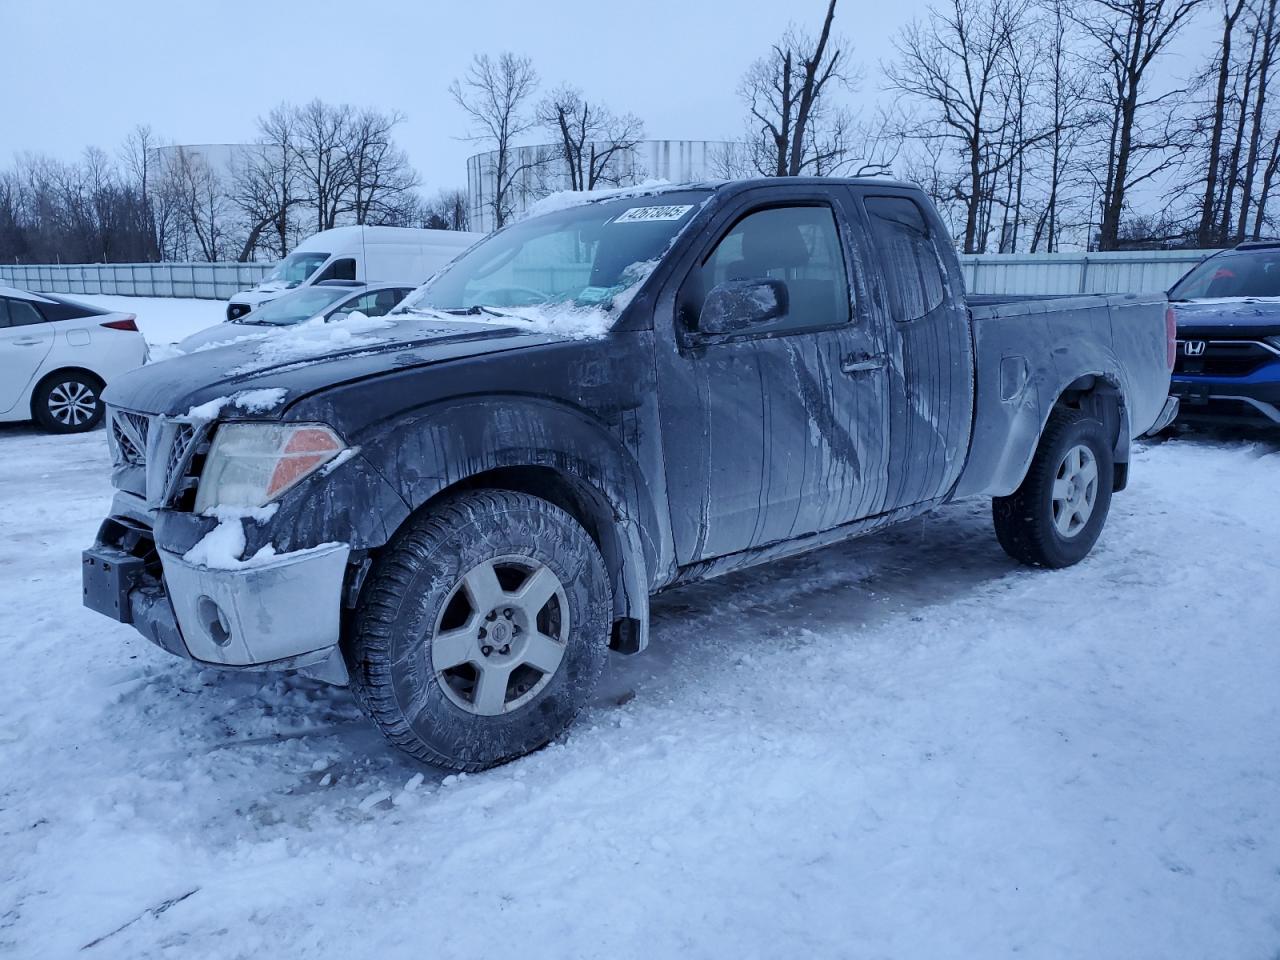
(813, 182)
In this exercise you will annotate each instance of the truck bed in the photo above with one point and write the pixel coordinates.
(1029, 349)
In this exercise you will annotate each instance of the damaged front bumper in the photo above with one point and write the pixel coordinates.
(281, 613)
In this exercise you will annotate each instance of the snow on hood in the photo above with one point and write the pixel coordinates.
(313, 338)
(250, 401)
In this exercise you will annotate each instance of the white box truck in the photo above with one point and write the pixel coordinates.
(368, 254)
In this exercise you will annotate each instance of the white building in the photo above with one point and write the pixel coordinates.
(541, 171)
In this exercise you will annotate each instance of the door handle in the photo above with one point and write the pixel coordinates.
(861, 363)
(27, 342)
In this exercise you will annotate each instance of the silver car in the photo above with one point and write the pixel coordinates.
(329, 300)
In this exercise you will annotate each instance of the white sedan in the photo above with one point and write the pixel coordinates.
(56, 355)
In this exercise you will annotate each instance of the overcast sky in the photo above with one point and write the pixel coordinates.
(86, 71)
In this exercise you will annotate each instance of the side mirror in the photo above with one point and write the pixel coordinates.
(737, 304)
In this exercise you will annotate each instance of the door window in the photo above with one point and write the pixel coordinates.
(912, 271)
(799, 246)
(375, 304)
(344, 269)
(21, 314)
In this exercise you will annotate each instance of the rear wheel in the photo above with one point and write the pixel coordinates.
(1055, 517)
(482, 630)
(68, 402)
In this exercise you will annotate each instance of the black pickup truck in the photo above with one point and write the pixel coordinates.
(460, 508)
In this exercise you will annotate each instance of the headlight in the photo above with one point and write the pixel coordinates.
(250, 464)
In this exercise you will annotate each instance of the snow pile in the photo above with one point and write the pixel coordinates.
(567, 199)
(251, 333)
(223, 546)
(250, 401)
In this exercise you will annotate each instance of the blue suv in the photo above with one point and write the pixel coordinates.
(1228, 314)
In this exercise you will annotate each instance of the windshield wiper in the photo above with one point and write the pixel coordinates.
(478, 308)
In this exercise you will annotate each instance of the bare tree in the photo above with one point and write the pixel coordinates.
(265, 184)
(494, 94)
(201, 202)
(321, 135)
(448, 211)
(1205, 233)
(959, 65)
(593, 143)
(1266, 61)
(138, 159)
(1142, 139)
(795, 128)
(1066, 108)
(382, 182)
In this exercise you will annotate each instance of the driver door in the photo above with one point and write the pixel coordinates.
(776, 430)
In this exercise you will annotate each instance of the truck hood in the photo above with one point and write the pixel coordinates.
(260, 374)
(1234, 316)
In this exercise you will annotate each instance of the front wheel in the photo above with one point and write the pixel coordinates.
(1055, 517)
(482, 630)
(68, 402)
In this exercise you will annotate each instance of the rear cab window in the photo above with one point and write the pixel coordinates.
(911, 268)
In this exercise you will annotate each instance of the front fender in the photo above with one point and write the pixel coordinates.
(442, 445)
(438, 446)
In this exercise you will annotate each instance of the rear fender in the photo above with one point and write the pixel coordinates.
(1026, 366)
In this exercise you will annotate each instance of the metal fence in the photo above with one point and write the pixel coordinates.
(205, 281)
(1007, 273)
(1034, 273)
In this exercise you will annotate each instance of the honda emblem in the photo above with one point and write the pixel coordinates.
(1194, 348)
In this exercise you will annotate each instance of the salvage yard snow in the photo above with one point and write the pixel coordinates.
(162, 320)
(903, 746)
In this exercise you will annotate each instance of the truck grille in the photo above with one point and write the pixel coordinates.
(129, 431)
(1222, 358)
(154, 457)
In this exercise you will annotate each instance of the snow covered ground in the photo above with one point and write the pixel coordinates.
(162, 320)
(904, 746)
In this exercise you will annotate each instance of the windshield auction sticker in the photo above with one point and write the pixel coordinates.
(649, 214)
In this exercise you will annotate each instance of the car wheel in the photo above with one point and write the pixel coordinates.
(1055, 517)
(481, 630)
(68, 403)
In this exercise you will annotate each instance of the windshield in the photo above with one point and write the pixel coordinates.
(1243, 273)
(581, 257)
(297, 307)
(296, 267)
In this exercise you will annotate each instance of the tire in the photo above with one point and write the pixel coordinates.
(430, 601)
(68, 402)
(1029, 523)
